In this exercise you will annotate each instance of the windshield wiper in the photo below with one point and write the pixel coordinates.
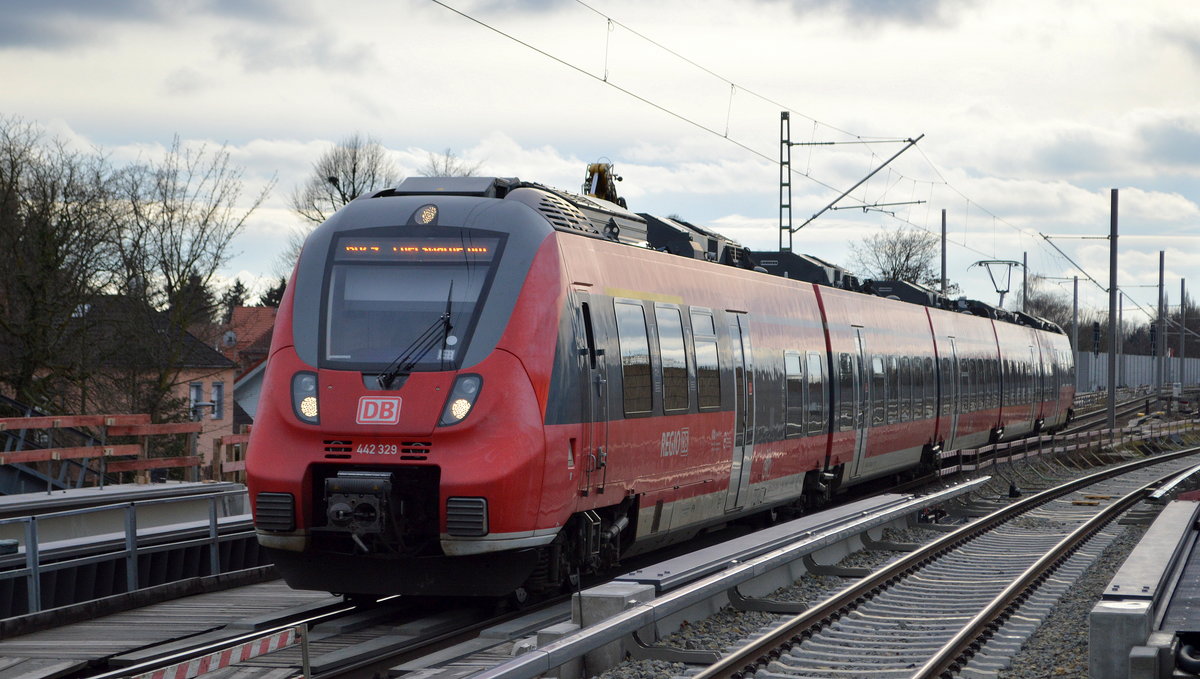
(438, 331)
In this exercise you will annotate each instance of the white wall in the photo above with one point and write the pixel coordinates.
(1132, 371)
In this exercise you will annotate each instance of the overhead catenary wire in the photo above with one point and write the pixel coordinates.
(859, 138)
(605, 79)
(623, 90)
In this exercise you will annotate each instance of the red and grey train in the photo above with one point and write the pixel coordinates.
(478, 386)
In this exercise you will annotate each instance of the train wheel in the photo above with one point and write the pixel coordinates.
(360, 600)
(518, 599)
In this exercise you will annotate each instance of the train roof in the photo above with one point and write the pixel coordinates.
(596, 218)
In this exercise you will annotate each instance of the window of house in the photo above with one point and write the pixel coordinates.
(195, 395)
(218, 397)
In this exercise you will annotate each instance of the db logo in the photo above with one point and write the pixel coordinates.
(378, 410)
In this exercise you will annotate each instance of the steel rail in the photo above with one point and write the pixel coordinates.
(768, 647)
(540, 661)
(202, 649)
(1100, 417)
(954, 654)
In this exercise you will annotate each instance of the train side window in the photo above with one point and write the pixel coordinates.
(1009, 384)
(879, 393)
(793, 394)
(635, 358)
(981, 366)
(977, 381)
(815, 399)
(994, 383)
(930, 389)
(968, 384)
(1006, 382)
(984, 383)
(674, 358)
(1025, 382)
(708, 369)
(946, 386)
(906, 382)
(589, 334)
(845, 392)
(893, 378)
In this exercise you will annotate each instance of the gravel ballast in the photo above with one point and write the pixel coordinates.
(1058, 648)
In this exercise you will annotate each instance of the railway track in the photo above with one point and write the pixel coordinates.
(934, 611)
(338, 640)
(341, 639)
(346, 642)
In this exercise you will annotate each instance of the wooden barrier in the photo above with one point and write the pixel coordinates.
(77, 453)
(137, 425)
(229, 456)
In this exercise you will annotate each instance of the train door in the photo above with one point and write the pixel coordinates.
(951, 392)
(862, 405)
(592, 339)
(743, 410)
(1051, 378)
(1034, 382)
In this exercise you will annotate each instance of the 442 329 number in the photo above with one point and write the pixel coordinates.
(377, 449)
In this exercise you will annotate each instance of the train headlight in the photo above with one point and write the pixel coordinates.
(461, 400)
(304, 397)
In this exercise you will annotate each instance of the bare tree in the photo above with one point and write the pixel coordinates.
(1044, 300)
(901, 255)
(57, 240)
(448, 165)
(355, 166)
(178, 219)
(351, 168)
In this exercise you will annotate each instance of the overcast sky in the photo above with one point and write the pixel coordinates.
(1032, 111)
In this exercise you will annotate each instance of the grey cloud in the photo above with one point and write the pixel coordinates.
(185, 81)
(55, 24)
(268, 12)
(866, 12)
(517, 6)
(263, 52)
(1073, 153)
(1187, 38)
(1173, 142)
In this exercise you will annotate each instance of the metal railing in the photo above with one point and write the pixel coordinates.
(127, 553)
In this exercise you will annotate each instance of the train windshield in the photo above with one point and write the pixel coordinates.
(388, 298)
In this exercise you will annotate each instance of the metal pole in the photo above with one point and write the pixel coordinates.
(131, 569)
(910, 144)
(214, 539)
(1182, 330)
(1160, 360)
(33, 587)
(943, 251)
(785, 180)
(1024, 282)
(1112, 313)
(1121, 343)
(1075, 326)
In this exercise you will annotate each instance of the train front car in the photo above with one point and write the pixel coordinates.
(398, 406)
